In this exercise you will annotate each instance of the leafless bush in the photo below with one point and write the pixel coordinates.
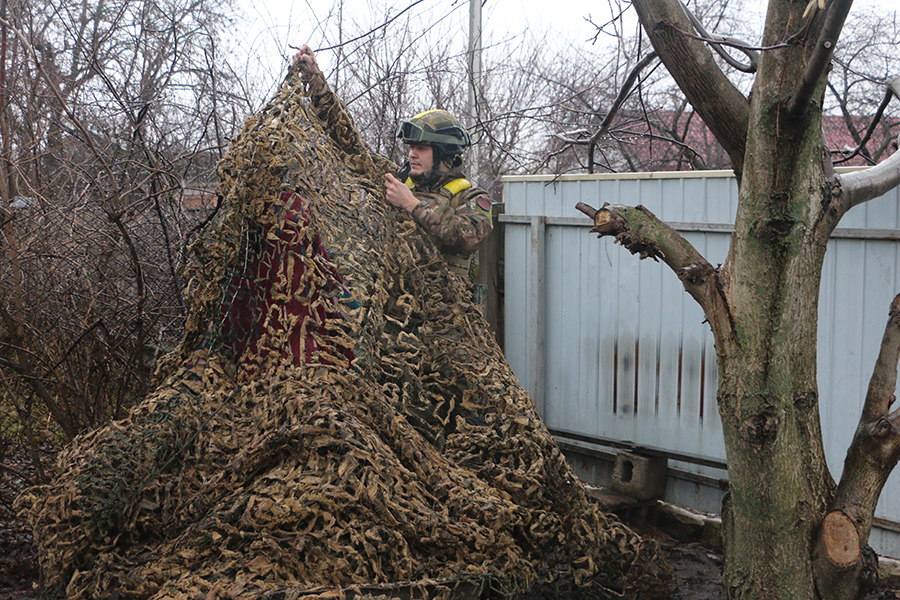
(113, 119)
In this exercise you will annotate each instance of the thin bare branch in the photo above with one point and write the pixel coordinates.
(717, 42)
(723, 108)
(862, 186)
(381, 26)
(876, 119)
(614, 110)
(835, 14)
(737, 44)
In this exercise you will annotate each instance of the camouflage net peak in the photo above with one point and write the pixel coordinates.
(338, 422)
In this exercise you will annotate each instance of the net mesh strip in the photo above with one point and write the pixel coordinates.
(338, 421)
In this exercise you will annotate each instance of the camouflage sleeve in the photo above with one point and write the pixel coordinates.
(338, 123)
(461, 230)
(340, 127)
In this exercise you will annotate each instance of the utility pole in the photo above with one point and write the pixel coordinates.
(474, 73)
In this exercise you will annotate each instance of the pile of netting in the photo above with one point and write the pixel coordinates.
(337, 423)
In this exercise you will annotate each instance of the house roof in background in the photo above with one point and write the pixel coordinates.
(644, 148)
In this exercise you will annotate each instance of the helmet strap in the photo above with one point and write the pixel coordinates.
(428, 178)
(435, 174)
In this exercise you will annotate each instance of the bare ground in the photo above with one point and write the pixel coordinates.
(698, 572)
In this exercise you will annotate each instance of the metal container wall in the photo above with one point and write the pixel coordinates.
(610, 346)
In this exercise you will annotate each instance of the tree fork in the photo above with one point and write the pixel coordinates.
(846, 567)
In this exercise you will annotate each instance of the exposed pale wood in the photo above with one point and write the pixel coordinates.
(841, 539)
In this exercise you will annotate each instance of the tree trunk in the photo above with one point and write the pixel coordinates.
(789, 533)
(768, 397)
(780, 486)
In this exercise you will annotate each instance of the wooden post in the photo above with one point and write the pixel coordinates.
(537, 318)
(490, 274)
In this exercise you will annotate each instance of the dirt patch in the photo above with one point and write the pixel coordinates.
(697, 571)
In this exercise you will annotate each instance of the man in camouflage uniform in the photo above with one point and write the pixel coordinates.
(431, 186)
(437, 196)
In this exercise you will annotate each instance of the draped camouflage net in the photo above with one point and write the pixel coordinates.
(337, 423)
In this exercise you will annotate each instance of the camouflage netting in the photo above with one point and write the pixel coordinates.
(337, 423)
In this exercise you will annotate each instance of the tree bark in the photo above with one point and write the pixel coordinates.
(723, 108)
(768, 396)
(789, 532)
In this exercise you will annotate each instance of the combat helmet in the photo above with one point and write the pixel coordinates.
(438, 129)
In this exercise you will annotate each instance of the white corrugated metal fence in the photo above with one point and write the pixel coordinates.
(613, 349)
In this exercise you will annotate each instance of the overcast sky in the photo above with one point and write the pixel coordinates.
(273, 25)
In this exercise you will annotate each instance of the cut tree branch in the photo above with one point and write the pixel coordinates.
(643, 233)
(872, 456)
(835, 15)
(723, 108)
(862, 186)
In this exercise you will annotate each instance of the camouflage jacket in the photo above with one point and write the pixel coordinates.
(455, 214)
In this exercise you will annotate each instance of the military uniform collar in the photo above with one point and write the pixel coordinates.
(432, 184)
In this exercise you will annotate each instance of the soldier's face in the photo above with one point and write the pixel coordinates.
(421, 159)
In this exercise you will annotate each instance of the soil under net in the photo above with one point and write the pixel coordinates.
(337, 423)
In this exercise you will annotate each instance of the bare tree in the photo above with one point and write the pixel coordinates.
(408, 63)
(654, 128)
(112, 120)
(799, 535)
